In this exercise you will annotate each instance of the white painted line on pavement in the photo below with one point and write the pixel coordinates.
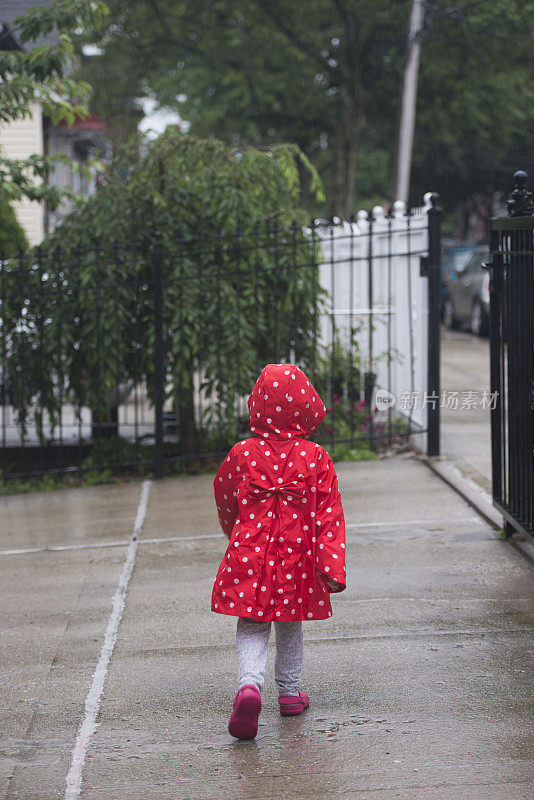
(482, 632)
(397, 523)
(163, 539)
(92, 702)
(97, 545)
(60, 547)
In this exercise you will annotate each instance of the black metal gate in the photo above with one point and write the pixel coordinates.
(512, 360)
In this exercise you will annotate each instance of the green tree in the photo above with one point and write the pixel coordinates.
(260, 72)
(328, 78)
(475, 114)
(83, 323)
(43, 73)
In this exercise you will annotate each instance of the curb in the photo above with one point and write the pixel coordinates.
(478, 499)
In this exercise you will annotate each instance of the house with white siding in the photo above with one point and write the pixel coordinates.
(36, 134)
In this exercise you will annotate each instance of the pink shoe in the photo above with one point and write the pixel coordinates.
(293, 704)
(244, 720)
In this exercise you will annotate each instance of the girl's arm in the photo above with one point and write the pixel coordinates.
(225, 486)
(330, 526)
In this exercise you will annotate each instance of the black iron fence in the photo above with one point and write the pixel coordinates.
(512, 360)
(140, 357)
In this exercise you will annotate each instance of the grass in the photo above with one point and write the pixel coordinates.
(50, 483)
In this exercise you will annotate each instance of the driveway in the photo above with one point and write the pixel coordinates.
(465, 431)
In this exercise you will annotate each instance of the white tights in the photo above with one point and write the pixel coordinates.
(251, 641)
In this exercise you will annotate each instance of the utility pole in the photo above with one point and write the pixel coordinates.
(406, 128)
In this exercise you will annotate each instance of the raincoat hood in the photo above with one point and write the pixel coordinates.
(284, 404)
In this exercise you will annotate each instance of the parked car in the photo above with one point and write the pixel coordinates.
(455, 256)
(466, 301)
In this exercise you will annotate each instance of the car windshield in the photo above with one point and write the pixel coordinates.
(460, 260)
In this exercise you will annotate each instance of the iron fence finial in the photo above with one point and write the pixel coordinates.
(520, 202)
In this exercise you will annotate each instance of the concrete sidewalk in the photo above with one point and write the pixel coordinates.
(466, 432)
(420, 684)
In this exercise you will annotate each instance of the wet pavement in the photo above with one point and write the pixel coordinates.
(465, 431)
(420, 684)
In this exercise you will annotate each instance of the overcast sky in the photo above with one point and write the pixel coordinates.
(155, 121)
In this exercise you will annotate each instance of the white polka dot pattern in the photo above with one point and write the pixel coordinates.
(290, 536)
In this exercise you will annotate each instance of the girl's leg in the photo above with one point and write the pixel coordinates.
(251, 641)
(289, 655)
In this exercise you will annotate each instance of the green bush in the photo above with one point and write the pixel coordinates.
(12, 236)
(229, 307)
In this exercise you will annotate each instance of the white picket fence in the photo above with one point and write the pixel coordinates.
(385, 304)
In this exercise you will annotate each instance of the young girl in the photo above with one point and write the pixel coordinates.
(279, 504)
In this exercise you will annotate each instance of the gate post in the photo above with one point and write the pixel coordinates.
(511, 268)
(495, 266)
(519, 338)
(158, 356)
(433, 272)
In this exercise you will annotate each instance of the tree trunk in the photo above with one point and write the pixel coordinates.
(475, 213)
(123, 127)
(346, 140)
(304, 180)
(189, 444)
(107, 428)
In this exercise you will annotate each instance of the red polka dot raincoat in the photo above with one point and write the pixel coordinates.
(279, 504)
